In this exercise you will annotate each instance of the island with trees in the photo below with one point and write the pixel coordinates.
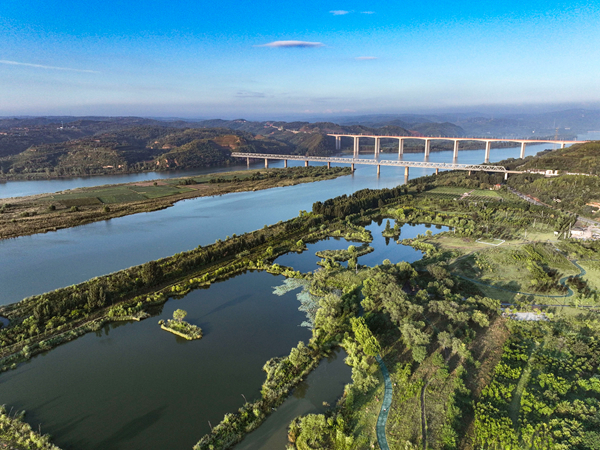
(180, 327)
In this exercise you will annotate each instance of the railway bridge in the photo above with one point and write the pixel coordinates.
(374, 162)
(456, 140)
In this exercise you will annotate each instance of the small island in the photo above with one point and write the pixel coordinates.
(390, 232)
(178, 326)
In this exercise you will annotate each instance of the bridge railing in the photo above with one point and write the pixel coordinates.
(374, 162)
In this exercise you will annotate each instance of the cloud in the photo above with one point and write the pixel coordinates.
(40, 66)
(365, 58)
(339, 12)
(293, 44)
(367, 12)
(250, 95)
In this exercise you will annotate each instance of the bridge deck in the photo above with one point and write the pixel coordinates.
(442, 138)
(376, 162)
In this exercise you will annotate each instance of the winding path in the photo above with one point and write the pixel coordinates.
(385, 407)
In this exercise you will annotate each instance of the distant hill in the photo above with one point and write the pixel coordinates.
(569, 122)
(66, 146)
(138, 149)
(445, 129)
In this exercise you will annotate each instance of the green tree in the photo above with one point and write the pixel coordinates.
(369, 343)
(151, 273)
(314, 430)
(179, 314)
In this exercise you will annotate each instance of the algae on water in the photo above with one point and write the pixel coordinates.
(309, 303)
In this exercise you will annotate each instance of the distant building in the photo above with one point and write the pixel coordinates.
(581, 233)
(547, 173)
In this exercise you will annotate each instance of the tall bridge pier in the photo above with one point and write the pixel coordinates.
(427, 147)
(455, 155)
(400, 147)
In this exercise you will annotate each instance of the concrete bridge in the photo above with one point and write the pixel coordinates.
(428, 139)
(374, 162)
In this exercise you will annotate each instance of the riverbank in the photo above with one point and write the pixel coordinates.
(50, 212)
(15, 434)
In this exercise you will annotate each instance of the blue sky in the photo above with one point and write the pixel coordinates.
(212, 59)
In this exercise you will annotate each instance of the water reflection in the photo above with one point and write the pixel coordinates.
(384, 247)
(133, 385)
(322, 387)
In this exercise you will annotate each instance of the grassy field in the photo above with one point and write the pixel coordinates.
(50, 212)
(116, 194)
(456, 193)
(517, 268)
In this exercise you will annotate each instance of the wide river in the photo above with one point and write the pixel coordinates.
(39, 263)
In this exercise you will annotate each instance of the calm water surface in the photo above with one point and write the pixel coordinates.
(40, 263)
(384, 248)
(135, 386)
(324, 384)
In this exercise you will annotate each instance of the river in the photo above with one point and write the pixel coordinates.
(39, 263)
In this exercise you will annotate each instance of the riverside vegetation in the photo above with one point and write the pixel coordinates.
(15, 434)
(441, 336)
(50, 212)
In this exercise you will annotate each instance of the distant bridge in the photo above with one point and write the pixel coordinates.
(428, 139)
(374, 162)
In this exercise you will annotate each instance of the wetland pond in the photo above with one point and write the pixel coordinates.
(384, 248)
(135, 386)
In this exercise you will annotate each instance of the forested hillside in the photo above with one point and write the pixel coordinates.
(579, 158)
(138, 149)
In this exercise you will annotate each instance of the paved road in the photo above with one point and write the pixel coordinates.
(385, 407)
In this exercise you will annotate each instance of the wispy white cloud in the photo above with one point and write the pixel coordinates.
(367, 12)
(339, 12)
(291, 44)
(365, 58)
(41, 66)
(250, 95)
